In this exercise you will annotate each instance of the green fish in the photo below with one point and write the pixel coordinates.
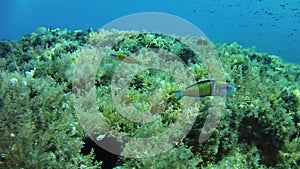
(206, 88)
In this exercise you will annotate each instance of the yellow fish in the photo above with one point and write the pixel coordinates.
(124, 58)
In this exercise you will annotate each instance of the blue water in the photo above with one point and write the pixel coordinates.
(271, 26)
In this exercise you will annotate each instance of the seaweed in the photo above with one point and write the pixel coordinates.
(39, 127)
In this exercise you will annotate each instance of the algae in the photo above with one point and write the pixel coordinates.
(39, 127)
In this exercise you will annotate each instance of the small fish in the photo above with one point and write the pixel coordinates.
(123, 57)
(206, 88)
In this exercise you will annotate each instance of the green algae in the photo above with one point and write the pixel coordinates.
(259, 127)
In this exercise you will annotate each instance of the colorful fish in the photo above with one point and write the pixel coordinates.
(206, 88)
(123, 57)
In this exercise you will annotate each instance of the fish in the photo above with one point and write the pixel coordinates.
(206, 88)
(123, 57)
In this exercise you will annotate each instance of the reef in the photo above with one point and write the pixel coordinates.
(40, 127)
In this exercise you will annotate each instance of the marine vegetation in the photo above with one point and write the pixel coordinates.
(40, 126)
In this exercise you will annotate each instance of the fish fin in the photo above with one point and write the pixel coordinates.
(178, 94)
(202, 81)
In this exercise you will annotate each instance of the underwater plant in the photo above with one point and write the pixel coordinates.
(39, 127)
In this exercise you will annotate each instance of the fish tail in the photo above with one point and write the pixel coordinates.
(178, 94)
